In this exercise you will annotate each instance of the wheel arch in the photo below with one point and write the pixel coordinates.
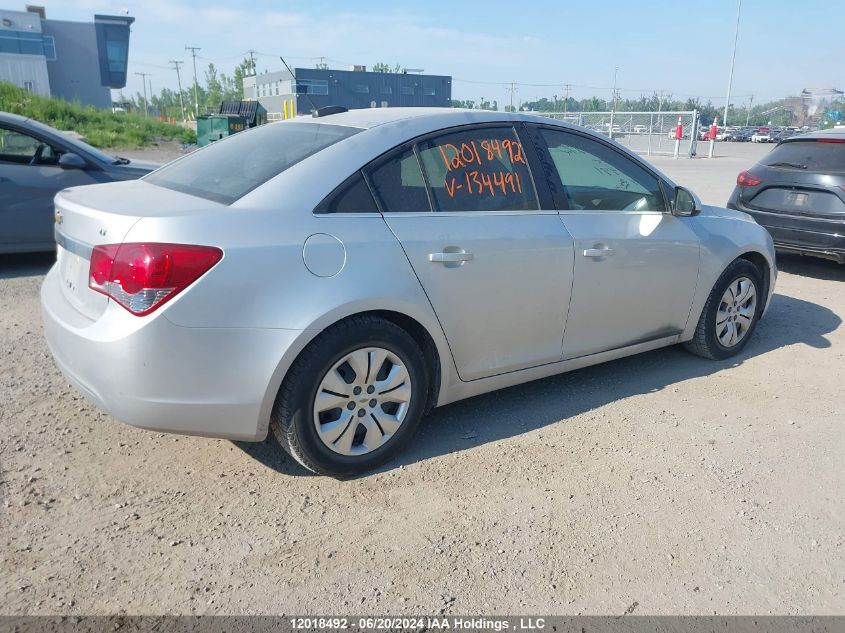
(435, 349)
(763, 262)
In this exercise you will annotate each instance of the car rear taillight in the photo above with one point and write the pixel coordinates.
(142, 277)
(747, 180)
(830, 140)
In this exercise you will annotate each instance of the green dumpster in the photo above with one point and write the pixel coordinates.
(231, 117)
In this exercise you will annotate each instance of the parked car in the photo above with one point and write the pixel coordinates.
(36, 161)
(761, 136)
(797, 192)
(742, 136)
(782, 135)
(335, 278)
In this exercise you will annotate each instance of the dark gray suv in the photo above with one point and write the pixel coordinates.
(36, 162)
(797, 192)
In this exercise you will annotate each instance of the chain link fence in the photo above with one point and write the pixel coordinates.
(643, 132)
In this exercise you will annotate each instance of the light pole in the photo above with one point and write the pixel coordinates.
(733, 58)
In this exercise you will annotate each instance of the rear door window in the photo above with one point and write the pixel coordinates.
(827, 156)
(229, 169)
(398, 183)
(478, 169)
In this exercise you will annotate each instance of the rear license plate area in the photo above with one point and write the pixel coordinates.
(73, 275)
(797, 199)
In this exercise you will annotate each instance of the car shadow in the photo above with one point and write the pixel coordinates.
(530, 406)
(25, 264)
(810, 267)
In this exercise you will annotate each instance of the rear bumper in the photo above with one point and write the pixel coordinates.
(153, 374)
(797, 234)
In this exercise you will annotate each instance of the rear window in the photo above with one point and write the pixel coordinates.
(229, 169)
(811, 155)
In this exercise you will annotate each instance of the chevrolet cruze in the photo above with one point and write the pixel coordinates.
(333, 278)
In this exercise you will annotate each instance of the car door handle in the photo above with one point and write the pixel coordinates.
(597, 252)
(450, 257)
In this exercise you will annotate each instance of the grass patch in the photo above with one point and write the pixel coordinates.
(100, 128)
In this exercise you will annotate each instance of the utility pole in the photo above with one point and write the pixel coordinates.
(251, 61)
(144, 83)
(748, 112)
(554, 108)
(566, 99)
(194, 50)
(613, 108)
(512, 89)
(615, 92)
(179, 82)
(733, 58)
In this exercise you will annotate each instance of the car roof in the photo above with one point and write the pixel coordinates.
(406, 123)
(8, 117)
(837, 133)
(367, 118)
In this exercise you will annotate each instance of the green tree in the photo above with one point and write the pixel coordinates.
(381, 67)
(214, 88)
(245, 69)
(593, 104)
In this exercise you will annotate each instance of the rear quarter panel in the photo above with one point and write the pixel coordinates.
(263, 281)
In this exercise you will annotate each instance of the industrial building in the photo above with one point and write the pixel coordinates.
(308, 88)
(77, 61)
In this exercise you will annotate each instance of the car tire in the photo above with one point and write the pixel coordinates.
(333, 367)
(730, 305)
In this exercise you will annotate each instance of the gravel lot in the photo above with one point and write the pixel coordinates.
(658, 484)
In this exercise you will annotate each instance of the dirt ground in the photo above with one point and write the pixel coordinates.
(657, 484)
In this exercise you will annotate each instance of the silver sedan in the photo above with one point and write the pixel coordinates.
(336, 277)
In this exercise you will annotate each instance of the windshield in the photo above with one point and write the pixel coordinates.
(812, 155)
(230, 168)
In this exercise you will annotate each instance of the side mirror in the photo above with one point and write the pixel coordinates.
(69, 160)
(686, 203)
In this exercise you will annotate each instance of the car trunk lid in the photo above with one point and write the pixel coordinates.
(104, 214)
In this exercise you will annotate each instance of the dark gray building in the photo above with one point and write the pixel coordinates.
(351, 89)
(78, 61)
